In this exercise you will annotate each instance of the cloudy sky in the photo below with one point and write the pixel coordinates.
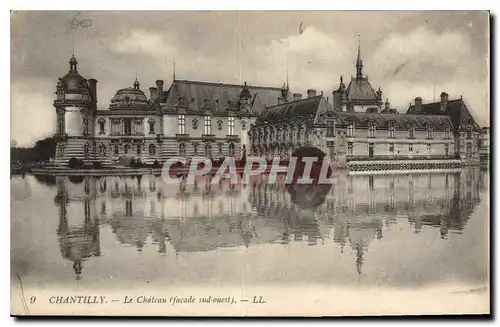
(407, 54)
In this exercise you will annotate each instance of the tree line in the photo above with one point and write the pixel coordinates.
(42, 151)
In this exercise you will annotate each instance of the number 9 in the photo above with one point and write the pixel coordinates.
(32, 299)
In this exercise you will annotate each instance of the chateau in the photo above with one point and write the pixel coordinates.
(191, 118)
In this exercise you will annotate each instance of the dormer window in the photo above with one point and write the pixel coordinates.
(350, 129)
(411, 132)
(371, 130)
(392, 130)
(330, 128)
(181, 124)
(231, 125)
(429, 131)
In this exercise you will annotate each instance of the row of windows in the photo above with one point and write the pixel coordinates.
(181, 124)
(127, 127)
(371, 146)
(127, 148)
(208, 149)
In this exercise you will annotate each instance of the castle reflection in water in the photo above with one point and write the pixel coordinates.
(143, 211)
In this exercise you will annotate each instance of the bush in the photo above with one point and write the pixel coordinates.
(75, 163)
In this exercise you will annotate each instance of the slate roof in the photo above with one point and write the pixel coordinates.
(301, 109)
(360, 91)
(219, 96)
(456, 110)
(382, 120)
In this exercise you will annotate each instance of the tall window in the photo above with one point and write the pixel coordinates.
(411, 132)
(330, 128)
(469, 150)
(208, 125)
(391, 148)
(195, 149)
(469, 133)
(371, 130)
(152, 149)
(447, 133)
(125, 148)
(220, 149)
(102, 149)
(151, 127)
(117, 150)
(101, 126)
(181, 124)
(231, 149)
(350, 130)
(429, 132)
(139, 149)
(208, 150)
(410, 147)
(392, 131)
(447, 149)
(86, 150)
(350, 148)
(182, 149)
(429, 149)
(231, 125)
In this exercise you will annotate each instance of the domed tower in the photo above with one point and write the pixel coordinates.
(76, 103)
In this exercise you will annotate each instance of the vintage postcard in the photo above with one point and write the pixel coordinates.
(250, 163)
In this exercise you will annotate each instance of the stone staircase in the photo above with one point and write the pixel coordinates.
(75, 147)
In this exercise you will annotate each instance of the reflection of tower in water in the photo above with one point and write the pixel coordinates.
(78, 241)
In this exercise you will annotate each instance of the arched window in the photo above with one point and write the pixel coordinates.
(139, 149)
(152, 149)
(117, 150)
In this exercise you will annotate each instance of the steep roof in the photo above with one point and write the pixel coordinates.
(456, 109)
(362, 119)
(301, 109)
(360, 91)
(219, 96)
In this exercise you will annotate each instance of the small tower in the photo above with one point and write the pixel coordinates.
(75, 104)
(136, 84)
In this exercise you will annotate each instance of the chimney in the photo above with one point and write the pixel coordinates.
(297, 96)
(444, 101)
(93, 89)
(159, 88)
(418, 105)
(311, 93)
(152, 91)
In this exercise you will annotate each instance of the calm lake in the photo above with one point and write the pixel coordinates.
(403, 231)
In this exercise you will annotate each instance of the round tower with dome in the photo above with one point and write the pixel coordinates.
(75, 104)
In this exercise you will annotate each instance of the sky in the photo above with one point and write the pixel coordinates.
(407, 54)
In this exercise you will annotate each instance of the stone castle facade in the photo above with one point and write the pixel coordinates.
(193, 118)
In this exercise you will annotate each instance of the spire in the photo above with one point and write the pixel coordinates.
(359, 62)
(73, 63)
(173, 69)
(136, 84)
